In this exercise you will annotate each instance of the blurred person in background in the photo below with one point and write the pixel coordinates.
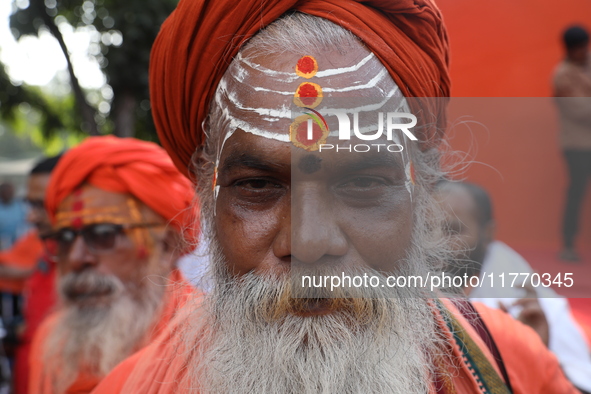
(28, 268)
(118, 208)
(572, 89)
(13, 227)
(13, 214)
(471, 226)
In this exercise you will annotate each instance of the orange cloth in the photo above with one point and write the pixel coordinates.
(24, 254)
(125, 165)
(532, 369)
(199, 39)
(40, 297)
(178, 292)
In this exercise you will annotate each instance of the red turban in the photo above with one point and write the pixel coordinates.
(125, 165)
(199, 39)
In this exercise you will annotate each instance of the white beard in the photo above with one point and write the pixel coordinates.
(252, 343)
(94, 338)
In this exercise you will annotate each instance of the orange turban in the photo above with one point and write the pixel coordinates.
(125, 165)
(199, 39)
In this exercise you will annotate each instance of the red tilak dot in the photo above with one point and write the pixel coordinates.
(306, 65)
(302, 134)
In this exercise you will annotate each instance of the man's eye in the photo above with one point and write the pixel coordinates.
(363, 183)
(257, 184)
(258, 190)
(363, 188)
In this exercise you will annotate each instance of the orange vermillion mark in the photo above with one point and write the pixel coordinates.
(308, 94)
(61, 216)
(306, 67)
(138, 237)
(77, 208)
(65, 222)
(298, 133)
(302, 134)
(214, 182)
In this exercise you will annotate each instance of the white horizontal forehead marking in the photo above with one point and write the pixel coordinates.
(234, 92)
(372, 83)
(292, 76)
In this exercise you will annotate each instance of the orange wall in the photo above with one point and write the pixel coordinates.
(509, 48)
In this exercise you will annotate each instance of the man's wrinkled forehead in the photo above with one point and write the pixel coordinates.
(257, 92)
(89, 204)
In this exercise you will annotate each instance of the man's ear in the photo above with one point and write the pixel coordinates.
(172, 245)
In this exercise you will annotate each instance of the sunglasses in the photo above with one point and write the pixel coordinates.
(98, 237)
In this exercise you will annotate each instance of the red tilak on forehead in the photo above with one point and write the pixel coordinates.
(77, 207)
(306, 67)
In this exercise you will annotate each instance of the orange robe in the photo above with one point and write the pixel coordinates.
(24, 254)
(40, 380)
(531, 368)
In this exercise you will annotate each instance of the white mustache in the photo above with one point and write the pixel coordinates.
(75, 286)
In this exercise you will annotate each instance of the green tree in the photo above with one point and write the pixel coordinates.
(14, 97)
(123, 33)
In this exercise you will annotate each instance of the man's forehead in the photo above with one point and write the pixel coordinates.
(259, 93)
(89, 204)
(337, 70)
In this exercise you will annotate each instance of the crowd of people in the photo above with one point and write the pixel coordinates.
(178, 269)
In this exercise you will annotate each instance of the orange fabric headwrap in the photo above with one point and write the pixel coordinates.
(126, 165)
(200, 38)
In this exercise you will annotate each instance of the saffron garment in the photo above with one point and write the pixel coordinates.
(40, 300)
(567, 340)
(38, 294)
(530, 367)
(24, 254)
(177, 293)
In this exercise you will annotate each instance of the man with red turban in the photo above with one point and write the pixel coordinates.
(119, 210)
(311, 129)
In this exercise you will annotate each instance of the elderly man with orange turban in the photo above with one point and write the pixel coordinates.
(120, 210)
(311, 129)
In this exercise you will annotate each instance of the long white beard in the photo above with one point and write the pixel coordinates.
(94, 338)
(252, 343)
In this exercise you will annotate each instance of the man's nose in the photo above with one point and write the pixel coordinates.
(79, 256)
(315, 232)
